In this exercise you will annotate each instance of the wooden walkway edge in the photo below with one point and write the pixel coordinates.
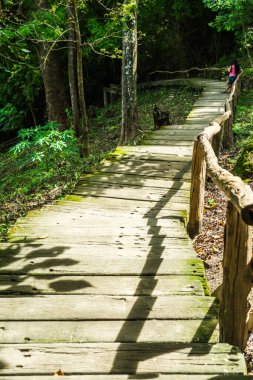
(105, 284)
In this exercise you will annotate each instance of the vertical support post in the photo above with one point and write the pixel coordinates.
(216, 143)
(237, 279)
(228, 137)
(197, 190)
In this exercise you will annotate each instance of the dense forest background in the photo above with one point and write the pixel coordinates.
(56, 58)
(34, 38)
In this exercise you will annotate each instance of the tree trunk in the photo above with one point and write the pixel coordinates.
(129, 74)
(72, 67)
(84, 143)
(55, 93)
(56, 99)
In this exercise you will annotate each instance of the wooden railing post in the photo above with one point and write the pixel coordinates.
(237, 279)
(228, 137)
(197, 190)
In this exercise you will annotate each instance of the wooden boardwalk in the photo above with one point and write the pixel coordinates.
(105, 285)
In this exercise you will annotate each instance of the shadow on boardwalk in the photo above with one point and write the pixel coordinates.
(124, 354)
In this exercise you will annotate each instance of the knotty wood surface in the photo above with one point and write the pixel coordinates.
(105, 284)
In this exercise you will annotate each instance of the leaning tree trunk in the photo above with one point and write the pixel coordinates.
(129, 73)
(55, 93)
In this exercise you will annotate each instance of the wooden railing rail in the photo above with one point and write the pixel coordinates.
(237, 265)
(186, 73)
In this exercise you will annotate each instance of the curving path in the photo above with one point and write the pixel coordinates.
(105, 285)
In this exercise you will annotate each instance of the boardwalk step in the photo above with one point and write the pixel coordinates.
(115, 358)
(156, 376)
(109, 331)
(29, 251)
(100, 265)
(89, 307)
(102, 285)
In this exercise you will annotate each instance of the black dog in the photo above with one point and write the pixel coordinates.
(160, 118)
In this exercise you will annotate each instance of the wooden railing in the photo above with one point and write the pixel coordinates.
(189, 73)
(237, 260)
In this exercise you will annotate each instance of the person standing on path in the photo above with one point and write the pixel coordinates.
(234, 70)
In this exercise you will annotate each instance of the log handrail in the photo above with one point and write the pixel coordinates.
(187, 71)
(237, 261)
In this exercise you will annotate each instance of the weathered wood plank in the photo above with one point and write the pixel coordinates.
(33, 250)
(176, 150)
(100, 219)
(156, 376)
(134, 192)
(167, 142)
(85, 307)
(182, 331)
(37, 229)
(123, 241)
(102, 285)
(181, 138)
(145, 208)
(62, 264)
(145, 168)
(120, 358)
(130, 181)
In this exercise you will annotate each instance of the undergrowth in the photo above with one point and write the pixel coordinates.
(45, 163)
(243, 131)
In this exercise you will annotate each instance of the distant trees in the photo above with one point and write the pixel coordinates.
(236, 16)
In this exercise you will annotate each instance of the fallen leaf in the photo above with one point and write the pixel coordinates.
(215, 250)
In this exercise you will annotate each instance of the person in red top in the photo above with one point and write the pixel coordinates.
(234, 70)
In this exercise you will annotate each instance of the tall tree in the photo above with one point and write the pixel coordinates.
(55, 91)
(129, 71)
(75, 71)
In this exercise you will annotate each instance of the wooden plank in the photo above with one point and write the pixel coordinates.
(118, 208)
(130, 180)
(120, 191)
(136, 165)
(102, 285)
(167, 142)
(170, 131)
(83, 220)
(123, 241)
(156, 376)
(182, 138)
(34, 250)
(176, 150)
(62, 264)
(37, 229)
(85, 307)
(152, 156)
(109, 331)
(122, 358)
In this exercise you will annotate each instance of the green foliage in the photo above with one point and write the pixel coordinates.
(243, 130)
(236, 16)
(44, 144)
(10, 118)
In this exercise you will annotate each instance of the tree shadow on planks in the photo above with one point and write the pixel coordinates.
(20, 262)
(148, 350)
